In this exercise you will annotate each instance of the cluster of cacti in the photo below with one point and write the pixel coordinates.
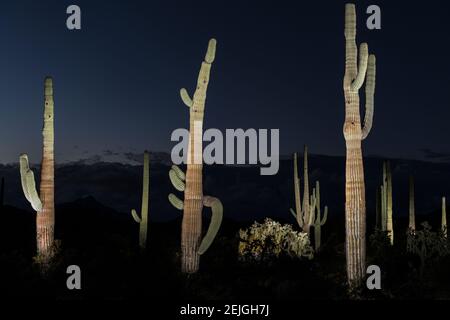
(270, 239)
(308, 213)
(43, 203)
(192, 182)
(303, 210)
(354, 133)
(143, 219)
(386, 201)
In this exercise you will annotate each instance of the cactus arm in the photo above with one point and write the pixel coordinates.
(297, 195)
(297, 217)
(176, 202)
(179, 172)
(176, 181)
(370, 93)
(211, 52)
(293, 213)
(312, 208)
(185, 97)
(350, 45)
(214, 226)
(362, 68)
(135, 216)
(29, 184)
(325, 216)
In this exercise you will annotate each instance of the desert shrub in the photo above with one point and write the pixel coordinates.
(428, 245)
(268, 240)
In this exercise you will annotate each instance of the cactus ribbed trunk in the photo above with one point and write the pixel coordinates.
(354, 133)
(45, 221)
(355, 219)
(191, 229)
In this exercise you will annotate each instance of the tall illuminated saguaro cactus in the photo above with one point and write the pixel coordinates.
(192, 183)
(143, 219)
(354, 133)
(43, 204)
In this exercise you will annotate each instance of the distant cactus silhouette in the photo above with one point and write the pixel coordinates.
(386, 191)
(354, 133)
(192, 182)
(444, 218)
(318, 220)
(143, 219)
(43, 204)
(412, 213)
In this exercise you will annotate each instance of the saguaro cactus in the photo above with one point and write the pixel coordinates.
(354, 133)
(318, 220)
(412, 215)
(302, 211)
(444, 218)
(44, 204)
(386, 194)
(143, 219)
(192, 183)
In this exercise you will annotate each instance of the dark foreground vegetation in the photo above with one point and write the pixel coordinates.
(104, 243)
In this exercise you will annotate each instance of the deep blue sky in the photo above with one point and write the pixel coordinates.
(279, 65)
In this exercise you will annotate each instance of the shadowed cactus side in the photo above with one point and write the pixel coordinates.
(354, 134)
(143, 219)
(43, 203)
(318, 220)
(191, 183)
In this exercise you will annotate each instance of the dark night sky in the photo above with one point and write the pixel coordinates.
(279, 65)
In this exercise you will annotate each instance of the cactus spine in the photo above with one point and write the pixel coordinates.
(191, 183)
(412, 216)
(143, 219)
(318, 221)
(444, 218)
(354, 133)
(387, 201)
(302, 212)
(44, 204)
